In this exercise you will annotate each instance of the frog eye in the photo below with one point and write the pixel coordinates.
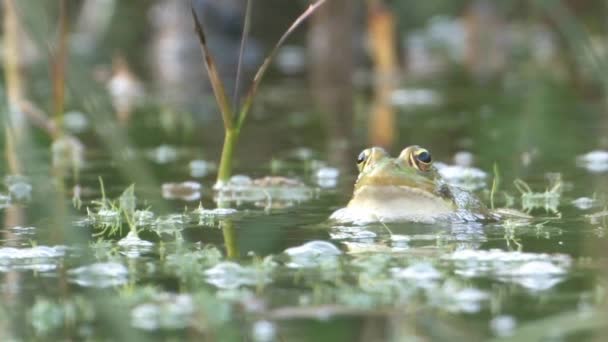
(423, 156)
(362, 156)
(423, 159)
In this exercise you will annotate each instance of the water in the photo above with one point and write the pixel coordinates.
(160, 261)
(296, 274)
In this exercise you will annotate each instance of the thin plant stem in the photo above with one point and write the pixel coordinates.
(14, 166)
(495, 185)
(214, 77)
(230, 239)
(232, 129)
(262, 70)
(12, 71)
(59, 63)
(225, 169)
(239, 67)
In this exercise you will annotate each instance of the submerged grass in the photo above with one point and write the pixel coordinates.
(234, 123)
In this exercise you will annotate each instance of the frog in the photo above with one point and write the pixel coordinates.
(406, 188)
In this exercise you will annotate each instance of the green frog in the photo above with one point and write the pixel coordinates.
(406, 188)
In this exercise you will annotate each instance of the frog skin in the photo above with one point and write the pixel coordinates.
(406, 188)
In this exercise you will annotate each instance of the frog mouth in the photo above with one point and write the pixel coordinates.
(395, 203)
(415, 184)
(390, 191)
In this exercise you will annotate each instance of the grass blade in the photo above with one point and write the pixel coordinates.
(214, 77)
(246, 27)
(495, 185)
(262, 70)
(232, 129)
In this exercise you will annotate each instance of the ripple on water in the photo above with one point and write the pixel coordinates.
(466, 177)
(134, 246)
(5, 201)
(18, 230)
(100, 275)
(453, 297)
(163, 154)
(168, 311)
(215, 212)
(351, 233)
(533, 271)
(230, 275)
(200, 168)
(170, 224)
(584, 203)
(32, 253)
(536, 275)
(312, 254)
(419, 271)
(19, 188)
(594, 161)
(188, 191)
(263, 331)
(133, 240)
(503, 325)
(39, 258)
(468, 300)
(327, 177)
(422, 274)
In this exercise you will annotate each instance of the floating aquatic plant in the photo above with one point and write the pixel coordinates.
(171, 224)
(189, 265)
(600, 217)
(549, 199)
(109, 215)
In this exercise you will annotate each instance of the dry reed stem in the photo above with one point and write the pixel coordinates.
(12, 69)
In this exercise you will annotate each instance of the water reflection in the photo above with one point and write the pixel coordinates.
(230, 238)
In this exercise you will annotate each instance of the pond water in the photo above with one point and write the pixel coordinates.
(279, 270)
(117, 234)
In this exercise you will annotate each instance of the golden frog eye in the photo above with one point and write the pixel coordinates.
(362, 159)
(362, 156)
(416, 157)
(422, 159)
(369, 157)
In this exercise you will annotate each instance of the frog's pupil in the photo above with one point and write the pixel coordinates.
(361, 158)
(424, 157)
